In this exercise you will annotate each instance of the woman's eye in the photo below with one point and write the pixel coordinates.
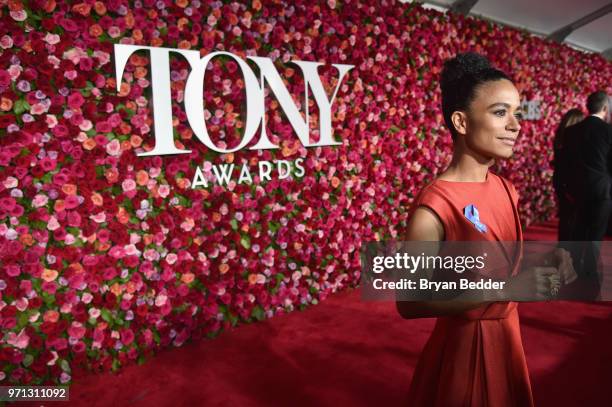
(500, 113)
(519, 116)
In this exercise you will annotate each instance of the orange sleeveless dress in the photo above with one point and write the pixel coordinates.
(475, 358)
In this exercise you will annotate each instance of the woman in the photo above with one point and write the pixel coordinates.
(565, 213)
(474, 356)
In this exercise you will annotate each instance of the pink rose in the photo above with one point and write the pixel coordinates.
(127, 336)
(113, 148)
(76, 330)
(20, 340)
(75, 100)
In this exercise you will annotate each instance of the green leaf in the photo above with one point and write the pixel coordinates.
(21, 106)
(49, 299)
(46, 179)
(23, 319)
(258, 313)
(234, 224)
(273, 226)
(127, 204)
(245, 241)
(106, 315)
(27, 360)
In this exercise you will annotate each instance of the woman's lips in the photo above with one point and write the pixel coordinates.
(509, 141)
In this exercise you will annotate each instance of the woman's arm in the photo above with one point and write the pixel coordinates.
(425, 225)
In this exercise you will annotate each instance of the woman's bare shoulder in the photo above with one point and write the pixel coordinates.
(425, 225)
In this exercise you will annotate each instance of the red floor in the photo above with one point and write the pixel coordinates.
(348, 352)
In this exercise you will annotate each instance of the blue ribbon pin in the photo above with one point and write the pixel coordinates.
(471, 213)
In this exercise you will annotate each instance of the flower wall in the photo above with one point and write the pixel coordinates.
(106, 256)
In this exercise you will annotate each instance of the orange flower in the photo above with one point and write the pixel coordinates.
(186, 134)
(100, 8)
(256, 5)
(111, 84)
(129, 20)
(138, 60)
(51, 316)
(136, 141)
(111, 175)
(182, 183)
(6, 104)
(125, 128)
(125, 88)
(69, 189)
(122, 216)
(49, 275)
(224, 268)
(187, 278)
(89, 144)
(184, 44)
(142, 177)
(137, 34)
(76, 268)
(125, 145)
(15, 5)
(335, 181)
(216, 217)
(252, 278)
(116, 289)
(49, 6)
(181, 3)
(26, 239)
(140, 72)
(82, 9)
(97, 199)
(103, 246)
(59, 205)
(233, 20)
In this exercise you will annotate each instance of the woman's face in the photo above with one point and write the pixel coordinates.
(491, 123)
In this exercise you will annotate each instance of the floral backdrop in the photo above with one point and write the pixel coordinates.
(106, 256)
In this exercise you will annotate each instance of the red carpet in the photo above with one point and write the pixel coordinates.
(348, 352)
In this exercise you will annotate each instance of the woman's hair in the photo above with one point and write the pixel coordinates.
(461, 76)
(570, 118)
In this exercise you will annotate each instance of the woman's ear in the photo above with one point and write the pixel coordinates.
(459, 120)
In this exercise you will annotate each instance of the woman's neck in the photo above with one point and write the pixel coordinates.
(466, 167)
